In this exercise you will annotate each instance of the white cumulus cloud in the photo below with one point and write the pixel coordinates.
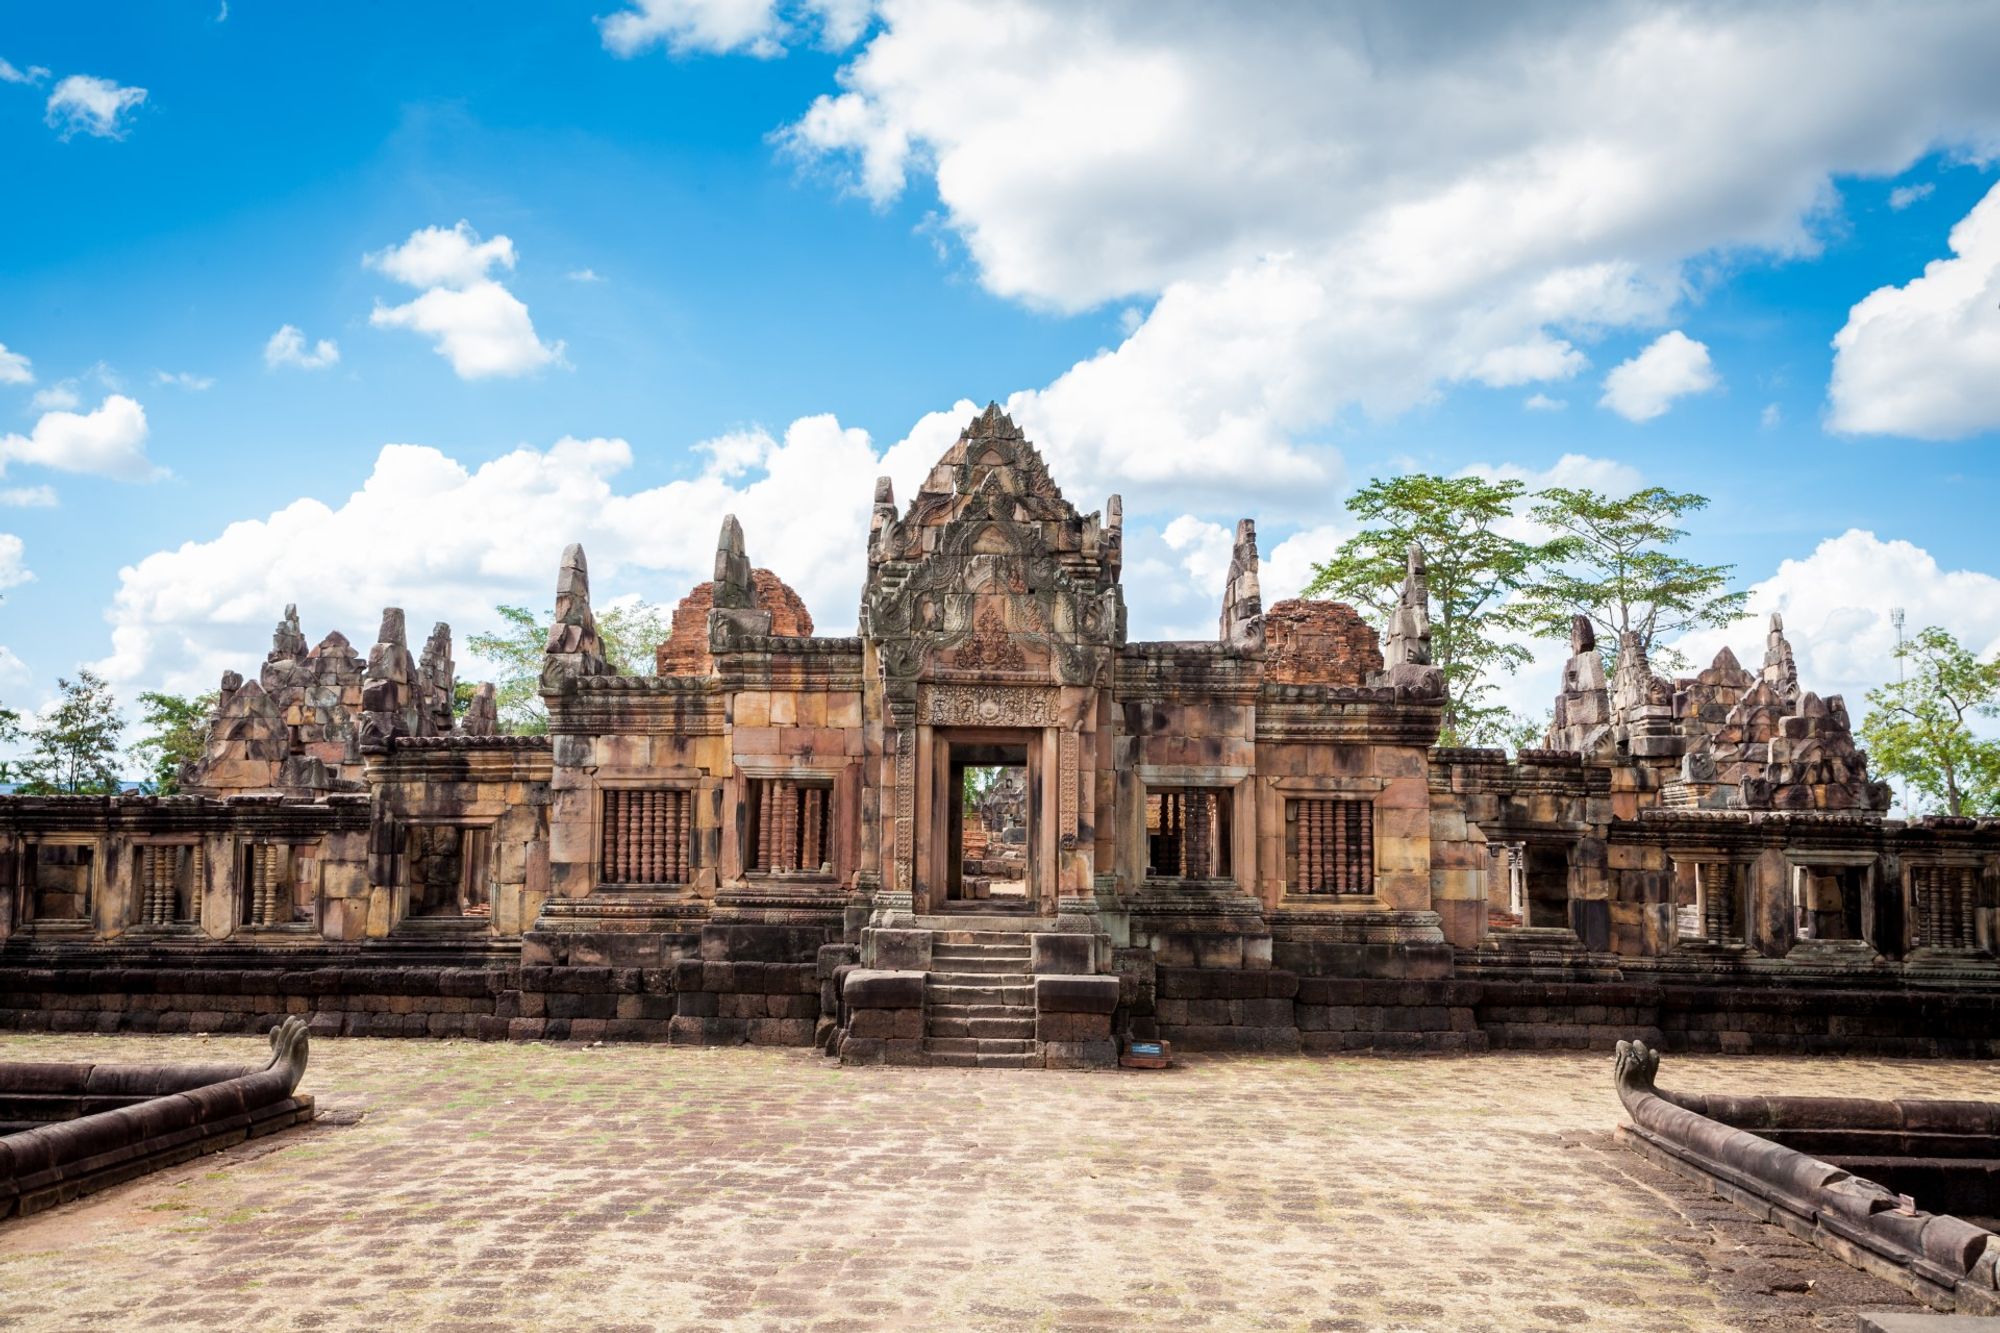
(1325, 209)
(479, 326)
(449, 542)
(28, 497)
(15, 368)
(1836, 603)
(109, 441)
(1923, 359)
(13, 571)
(1672, 366)
(185, 379)
(287, 347)
(442, 257)
(86, 104)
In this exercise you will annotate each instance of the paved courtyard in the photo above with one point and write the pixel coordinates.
(513, 1186)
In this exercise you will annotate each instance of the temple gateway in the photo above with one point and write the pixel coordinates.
(1252, 841)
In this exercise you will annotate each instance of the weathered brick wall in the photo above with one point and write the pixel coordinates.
(1319, 643)
(685, 653)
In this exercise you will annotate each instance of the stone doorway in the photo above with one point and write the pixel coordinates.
(991, 859)
(986, 821)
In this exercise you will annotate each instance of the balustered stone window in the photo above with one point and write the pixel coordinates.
(1330, 845)
(791, 823)
(647, 835)
(274, 884)
(1187, 833)
(1944, 901)
(168, 880)
(1709, 902)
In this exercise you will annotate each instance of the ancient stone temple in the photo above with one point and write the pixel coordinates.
(1251, 841)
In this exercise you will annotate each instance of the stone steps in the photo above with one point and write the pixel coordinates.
(1018, 1025)
(980, 998)
(964, 927)
(980, 1058)
(983, 1011)
(978, 965)
(1019, 995)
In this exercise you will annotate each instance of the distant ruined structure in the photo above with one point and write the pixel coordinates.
(1251, 841)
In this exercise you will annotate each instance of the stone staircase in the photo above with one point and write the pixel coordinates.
(979, 1001)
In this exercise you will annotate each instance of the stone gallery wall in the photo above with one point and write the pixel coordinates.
(1249, 840)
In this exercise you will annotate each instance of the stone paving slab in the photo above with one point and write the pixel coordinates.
(490, 1186)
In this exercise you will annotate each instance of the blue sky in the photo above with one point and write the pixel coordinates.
(748, 255)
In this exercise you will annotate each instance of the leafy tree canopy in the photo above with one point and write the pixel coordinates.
(630, 631)
(74, 747)
(1609, 561)
(1919, 729)
(1474, 567)
(177, 735)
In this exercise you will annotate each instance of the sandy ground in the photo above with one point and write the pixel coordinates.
(523, 1186)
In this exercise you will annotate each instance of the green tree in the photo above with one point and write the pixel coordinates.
(630, 631)
(10, 734)
(1609, 561)
(1474, 568)
(1920, 729)
(74, 747)
(976, 782)
(177, 735)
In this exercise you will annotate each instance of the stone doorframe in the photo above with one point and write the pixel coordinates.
(936, 802)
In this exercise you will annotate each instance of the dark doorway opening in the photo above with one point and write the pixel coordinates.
(1547, 885)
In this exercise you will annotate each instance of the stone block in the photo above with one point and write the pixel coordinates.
(868, 988)
(897, 950)
(1063, 954)
(1073, 1027)
(1080, 1054)
(781, 1032)
(887, 1024)
(1075, 994)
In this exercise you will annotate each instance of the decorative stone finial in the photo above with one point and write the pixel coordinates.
(732, 567)
(1583, 709)
(1407, 656)
(288, 643)
(573, 648)
(733, 611)
(1410, 626)
(1781, 670)
(482, 712)
(1242, 597)
(436, 682)
(389, 706)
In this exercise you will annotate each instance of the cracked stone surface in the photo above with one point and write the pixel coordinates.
(486, 1186)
